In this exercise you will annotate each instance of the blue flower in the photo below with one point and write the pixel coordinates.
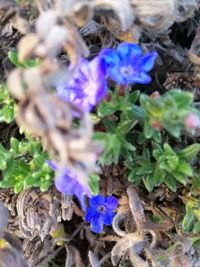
(101, 211)
(67, 182)
(127, 64)
(88, 87)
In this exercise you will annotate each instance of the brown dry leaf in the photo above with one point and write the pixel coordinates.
(37, 213)
(133, 242)
(132, 35)
(194, 51)
(10, 257)
(136, 209)
(122, 10)
(20, 24)
(118, 219)
(94, 261)
(78, 11)
(6, 3)
(4, 216)
(73, 257)
(37, 252)
(27, 45)
(157, 15)
(186, 9)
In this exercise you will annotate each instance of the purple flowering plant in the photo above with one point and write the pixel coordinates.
(139, 136)
(88, 87)
(101, 211)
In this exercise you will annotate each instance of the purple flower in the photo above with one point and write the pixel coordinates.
(127, 64)
(101, 211)
(88, 87)
(67, 182)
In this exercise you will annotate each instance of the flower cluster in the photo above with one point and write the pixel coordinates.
(101, 211)
(125, 65)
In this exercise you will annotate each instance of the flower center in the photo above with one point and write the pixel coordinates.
(127, 71)
(101, 209)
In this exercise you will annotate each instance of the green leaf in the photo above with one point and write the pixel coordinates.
(106, 108)
(189, 152)
(133, 96)
(29, 63)
(146, 168)
(14, 143)
(7, 112)
(182, 178)
(30, 180)
(196, 182)
(3, 157)
(18, 187)
(138, 113)
(159, 176)
(188, 220)
(132, 177)
(183, 99)
(10, 166)
(44, 186)
(196, 228)
(38, 161)
(149, 182)
(8, 183)
(185, 168)
(170, 182)
(94, 184)
(148, 130)
(112, 147)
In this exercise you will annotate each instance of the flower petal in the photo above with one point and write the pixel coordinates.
(97, 224)
(115, 75)
(91, 212)
(142, 78)
(97, 201)
(108, 217)
(127, 50)
(97, 68)
(111, 203)
(52, 165)
(110, 57)
(81, 198)
(148, 61)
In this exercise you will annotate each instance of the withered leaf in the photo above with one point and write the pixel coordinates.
(6, 3)
(3, 216)
(155, 14)
(121, 8)
(93, 259)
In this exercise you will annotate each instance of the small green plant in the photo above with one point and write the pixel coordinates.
(191, 220)
(164, 165)
(23, 165)
(168, 111)
(117, 143)
(7, 105)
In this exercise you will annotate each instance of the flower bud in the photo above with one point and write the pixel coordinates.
(192, 121)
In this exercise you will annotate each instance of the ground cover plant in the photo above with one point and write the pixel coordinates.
(99, 123)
